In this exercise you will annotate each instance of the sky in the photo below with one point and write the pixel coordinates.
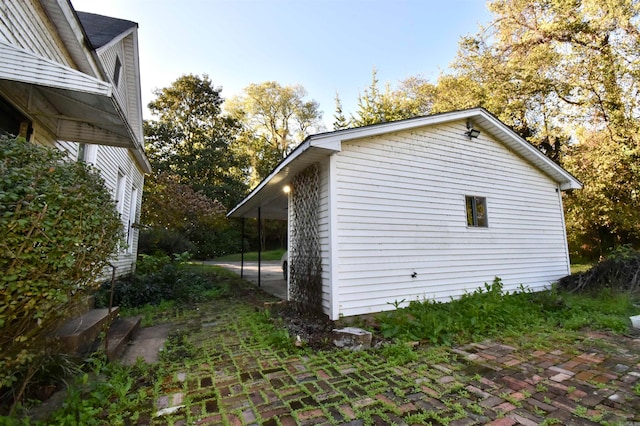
(327, 46)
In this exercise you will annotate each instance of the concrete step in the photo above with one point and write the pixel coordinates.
(79, 334)
(120, 333)
(146, 345)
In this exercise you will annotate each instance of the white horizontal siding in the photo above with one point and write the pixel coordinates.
(111, 160)
(108, 58)
(127, 91)
(23, 23)
(132, 79)
(401, 210)
(323, 228)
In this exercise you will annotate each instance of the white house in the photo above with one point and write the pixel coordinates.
(425, 208)
(71, 80)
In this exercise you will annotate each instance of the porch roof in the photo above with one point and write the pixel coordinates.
(84, 108)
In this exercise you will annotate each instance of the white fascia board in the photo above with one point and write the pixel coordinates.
(117, 39)
(279, 175)
(64, 18)
(394, 126)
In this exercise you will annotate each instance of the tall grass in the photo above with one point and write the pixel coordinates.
(490, 311)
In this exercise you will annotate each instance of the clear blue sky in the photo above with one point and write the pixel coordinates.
(327, 46)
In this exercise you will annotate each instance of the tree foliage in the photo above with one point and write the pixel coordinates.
(565, 76)
(178, 219)
(340, 121)
(58, 230)
(275, 120)
(200, 168)
(190, 138)
(412, 98)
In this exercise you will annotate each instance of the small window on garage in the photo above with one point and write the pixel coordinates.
(476, 211)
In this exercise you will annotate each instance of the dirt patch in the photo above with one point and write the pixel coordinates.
(314, 330)
(311, 329)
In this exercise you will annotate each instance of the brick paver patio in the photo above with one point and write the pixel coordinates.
(596, 380)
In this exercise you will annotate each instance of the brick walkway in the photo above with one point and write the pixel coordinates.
(596, 380)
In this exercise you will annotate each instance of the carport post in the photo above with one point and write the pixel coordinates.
(242, 251)
(259, 245)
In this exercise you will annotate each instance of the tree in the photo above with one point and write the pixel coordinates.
(341, 121)
(198, 162)
(604, 214)
(275, 119)
(412, 98)
(191, 138)
(178, 219)
(564, 75)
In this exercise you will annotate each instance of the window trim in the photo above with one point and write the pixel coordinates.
(471, 201)
(116, 71)
(121, 184)
(133, 217)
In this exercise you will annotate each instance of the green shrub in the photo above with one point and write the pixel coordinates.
(159, 278)
(58, 230)
(158, 240)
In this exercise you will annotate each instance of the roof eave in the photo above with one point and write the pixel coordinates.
(86, 108)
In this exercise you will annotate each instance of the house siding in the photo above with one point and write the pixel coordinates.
(108, 58)
(401, 210)
(324, 218)
(26, 25)
(110, 161)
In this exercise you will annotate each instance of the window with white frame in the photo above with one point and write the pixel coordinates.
(120, 187)
(133, 216)
(88, 153)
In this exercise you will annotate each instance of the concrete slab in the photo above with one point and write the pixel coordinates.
(271, 279)
(146, 345)
(79, 334)
(121, 332)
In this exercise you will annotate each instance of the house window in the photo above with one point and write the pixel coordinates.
(12, 122)
(476, 211)
(133, 216)
(120, 186)
(116, 71)
(88, 153)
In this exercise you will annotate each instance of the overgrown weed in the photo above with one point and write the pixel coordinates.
(490, 311)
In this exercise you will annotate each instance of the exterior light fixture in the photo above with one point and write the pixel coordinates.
(286, 189)
(471, 132)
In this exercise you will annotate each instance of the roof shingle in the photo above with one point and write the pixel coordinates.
(102, 29)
